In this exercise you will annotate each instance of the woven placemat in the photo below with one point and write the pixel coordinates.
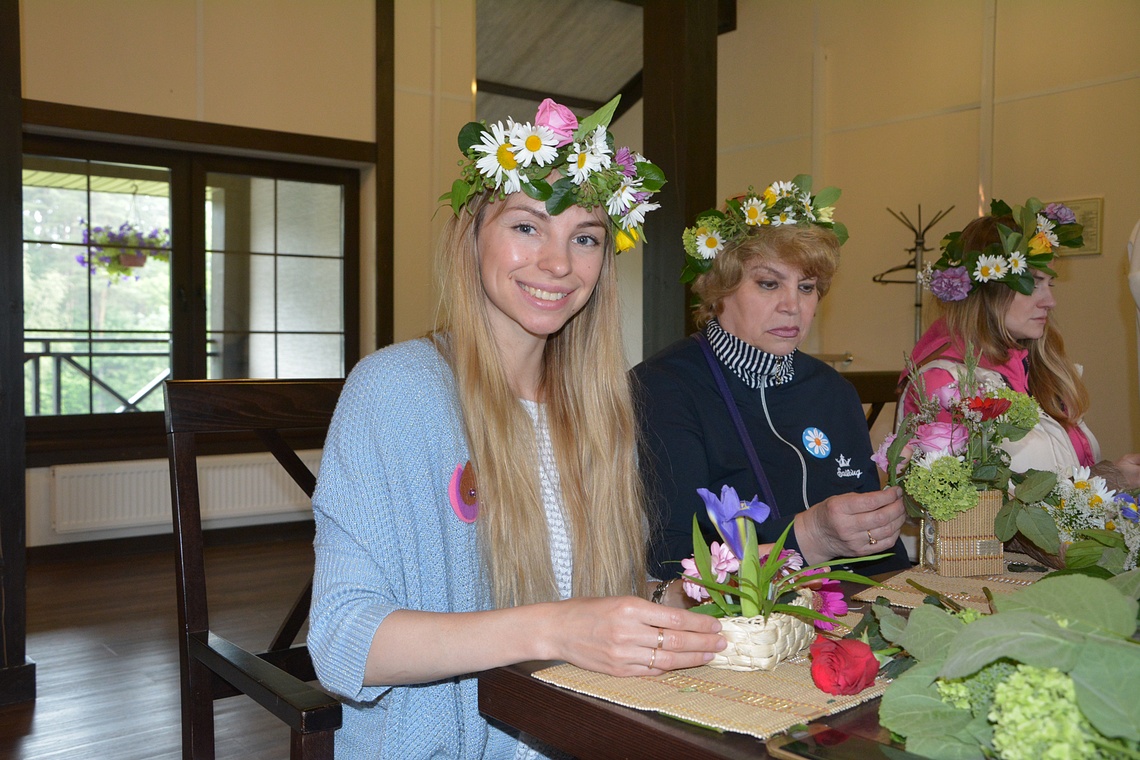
(966, 591)
(757, 703)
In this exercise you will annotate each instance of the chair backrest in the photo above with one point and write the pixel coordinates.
(876, 389)
(276, 412)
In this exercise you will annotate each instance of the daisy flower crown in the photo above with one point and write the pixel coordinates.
(513, 157)
(780, 203)
(954, 275)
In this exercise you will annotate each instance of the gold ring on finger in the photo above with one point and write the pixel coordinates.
(653, 658)
(660, 637)
(871, 539)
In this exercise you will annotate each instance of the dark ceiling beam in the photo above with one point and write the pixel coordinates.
(725, 16)
(523, 93)
(680, 54)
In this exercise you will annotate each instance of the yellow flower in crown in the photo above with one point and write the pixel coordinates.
(1039, 243)
(623, 241)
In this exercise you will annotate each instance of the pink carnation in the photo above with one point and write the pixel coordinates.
(952, 284)
(558, 118)
(723, 563)
(880, 455)
(692, 590)
(941, 436)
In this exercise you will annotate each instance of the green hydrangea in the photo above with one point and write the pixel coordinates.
(975, 692)
(968, 615)
(1035, 717)
(1023, 409)
(944, 489)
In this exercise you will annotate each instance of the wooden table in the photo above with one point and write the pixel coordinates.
(587, 727)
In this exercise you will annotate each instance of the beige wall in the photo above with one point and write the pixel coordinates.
(893, 101)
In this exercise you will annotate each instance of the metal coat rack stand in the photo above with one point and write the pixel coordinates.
(915, 262)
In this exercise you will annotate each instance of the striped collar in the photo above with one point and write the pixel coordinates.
(753, 366)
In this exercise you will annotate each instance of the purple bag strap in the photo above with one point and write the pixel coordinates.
(734, 412)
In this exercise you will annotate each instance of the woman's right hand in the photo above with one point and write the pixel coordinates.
(850, 525)
(628, 636)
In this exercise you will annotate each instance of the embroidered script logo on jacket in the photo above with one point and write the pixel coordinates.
(844, 470)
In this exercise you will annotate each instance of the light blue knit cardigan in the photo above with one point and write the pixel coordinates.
(387, 538)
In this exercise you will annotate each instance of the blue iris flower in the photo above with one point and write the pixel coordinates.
(728, 514)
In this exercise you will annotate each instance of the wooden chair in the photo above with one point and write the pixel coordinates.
(212, 667)
(876, 389)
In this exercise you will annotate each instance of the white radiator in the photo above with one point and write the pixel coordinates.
(108, 495)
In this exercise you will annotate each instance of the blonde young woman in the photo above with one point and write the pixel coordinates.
(995, 288)
(479, 502)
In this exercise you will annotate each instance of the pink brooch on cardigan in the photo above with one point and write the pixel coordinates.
(464, 497)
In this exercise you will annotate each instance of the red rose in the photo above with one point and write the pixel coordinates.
(842, 666)
(989, 407)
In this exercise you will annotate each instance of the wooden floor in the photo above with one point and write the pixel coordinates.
(102, 635)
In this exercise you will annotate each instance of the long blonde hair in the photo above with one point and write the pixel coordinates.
(592, 428)
(979, 319)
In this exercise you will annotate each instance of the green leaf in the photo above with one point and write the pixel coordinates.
(538, 189)
(1105, 681)
(929, 632)
(1036, 525)
(840, 230)
(1005, 523)
(802, 183)
(1019, 635)
(460, 191)
(913, 708)
(561, 196)
(1087, 604)
(1085, 553)
(1127, 583)
(1104, 537)
(470, 135)
(1000, 208)
(601, 117)
(652, 178)
(1113, 560)
(1036, 486)
(703, 560)
(827, 197)
(987, 473)
(891, 624)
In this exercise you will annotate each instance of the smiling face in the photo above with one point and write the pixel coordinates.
(772, 308)
(537, 270)
(1027, 315)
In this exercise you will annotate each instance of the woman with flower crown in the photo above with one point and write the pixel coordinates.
(737, 404)
(479, 502)
(994, 284)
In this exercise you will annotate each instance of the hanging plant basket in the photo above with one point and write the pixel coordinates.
(118, 251)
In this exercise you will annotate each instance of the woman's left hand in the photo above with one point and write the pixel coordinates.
(1129, 466)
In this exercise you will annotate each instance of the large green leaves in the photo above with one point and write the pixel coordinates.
(1083, 603)
(913, 708)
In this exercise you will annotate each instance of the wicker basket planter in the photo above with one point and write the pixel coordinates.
(759, 644)
(964, 545)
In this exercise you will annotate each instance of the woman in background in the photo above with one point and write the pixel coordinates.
(995, 288)
(466, 474)
(738, 404)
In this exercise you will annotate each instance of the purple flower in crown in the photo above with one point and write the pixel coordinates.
(1129, 509)
(624, 158)
(951, 284)
(1060, 213)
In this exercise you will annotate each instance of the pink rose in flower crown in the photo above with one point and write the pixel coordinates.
(941, 436)
(558, 118)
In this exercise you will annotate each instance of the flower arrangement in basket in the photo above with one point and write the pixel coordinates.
(1082, 524)
(118, 251)
(1051, 673)
(955, 475)
(769, 604)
